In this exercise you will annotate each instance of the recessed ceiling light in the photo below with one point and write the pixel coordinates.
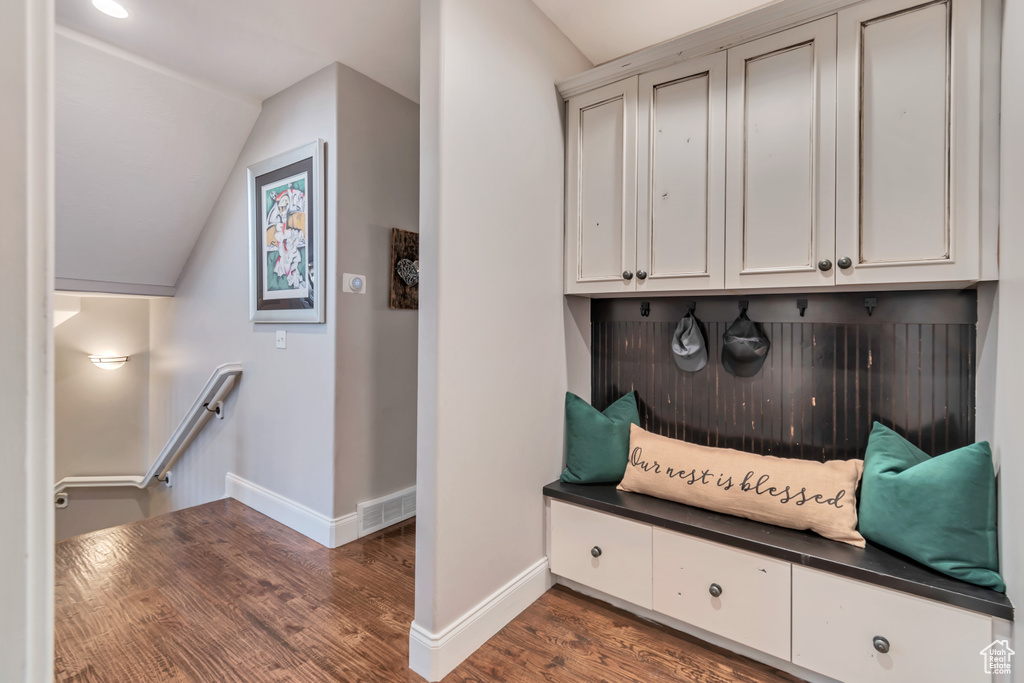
(111, 8)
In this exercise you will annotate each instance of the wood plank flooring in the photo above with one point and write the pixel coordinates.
(220, 592)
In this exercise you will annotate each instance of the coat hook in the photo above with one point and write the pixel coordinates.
(870, 303)
(744, 304)
(691, 307)
(645, 308)
(802, 305)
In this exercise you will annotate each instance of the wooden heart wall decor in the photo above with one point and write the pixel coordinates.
(409, 271)
(405, 271)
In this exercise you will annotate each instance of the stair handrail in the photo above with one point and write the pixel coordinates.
(220, 384)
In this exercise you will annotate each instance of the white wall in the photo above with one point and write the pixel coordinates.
(330, 421)
(375, 390)
(26, 365)
(101, 417)
(278, 430)
(493, 321)
(1008, 429)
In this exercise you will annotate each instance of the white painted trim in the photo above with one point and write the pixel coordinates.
(991, 61)
(741, 29)
(435, 655)
(68, 284)
(133, 58)
(37, 232)
(321, 528)
(706, 636)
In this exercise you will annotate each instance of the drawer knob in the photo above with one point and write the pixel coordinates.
(824, 265)
(627, 275)
(641, 274)
(881, 644)
(715, 590)
(844, 262)
(595, 551)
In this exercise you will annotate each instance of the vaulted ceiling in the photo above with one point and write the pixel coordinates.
(260, 47)
(153, 110)
(142, 154)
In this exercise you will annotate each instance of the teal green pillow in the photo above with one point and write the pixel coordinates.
(939, 511)
(596, 443)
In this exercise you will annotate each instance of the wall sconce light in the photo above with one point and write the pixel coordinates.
(109, 362)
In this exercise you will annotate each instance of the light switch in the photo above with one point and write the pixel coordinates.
(282, 339)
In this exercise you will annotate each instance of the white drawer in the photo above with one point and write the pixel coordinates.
(752, 606)
(835, 622)
(608, 553)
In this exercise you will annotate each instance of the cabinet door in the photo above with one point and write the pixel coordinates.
(681, 184)
(855, 632)
(606, 552)
(909, 141)
(780, 212)
(600, 225)
(739, 595)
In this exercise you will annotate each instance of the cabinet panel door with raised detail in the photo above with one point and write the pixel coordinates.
(733, 593)
(780, 215)
(606, 552)
(600, 230)
(859, 633)
(907, 190)
(681, 184)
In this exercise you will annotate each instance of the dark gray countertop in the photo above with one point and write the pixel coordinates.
(874, 564)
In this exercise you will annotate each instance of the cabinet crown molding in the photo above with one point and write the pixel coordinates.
(740, 29)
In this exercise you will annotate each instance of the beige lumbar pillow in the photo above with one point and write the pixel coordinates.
(798, 494)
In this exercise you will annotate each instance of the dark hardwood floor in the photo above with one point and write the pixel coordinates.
(220, 592)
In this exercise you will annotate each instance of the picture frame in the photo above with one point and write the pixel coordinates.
(287, 278)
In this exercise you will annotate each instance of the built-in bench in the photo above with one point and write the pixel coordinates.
(849, 613)
(873, 564)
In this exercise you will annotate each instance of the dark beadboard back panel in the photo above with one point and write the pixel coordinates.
(829, 374)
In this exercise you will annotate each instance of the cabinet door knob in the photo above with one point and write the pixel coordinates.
(595, 551)
(715, 590)
(881, 644)
(845, 262)
(641, 275)
(824, 265)
(627, 275)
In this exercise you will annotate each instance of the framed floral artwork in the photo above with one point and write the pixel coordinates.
(286, 237)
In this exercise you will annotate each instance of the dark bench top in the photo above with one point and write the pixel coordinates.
(874, 564)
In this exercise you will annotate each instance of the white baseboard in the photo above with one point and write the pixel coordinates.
(321, 528)
(435, 655)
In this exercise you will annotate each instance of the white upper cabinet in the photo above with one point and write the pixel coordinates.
(859, 150)
(780, 220)
(681, 176)
(909, 142)
(600, 235)
(645, 193)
